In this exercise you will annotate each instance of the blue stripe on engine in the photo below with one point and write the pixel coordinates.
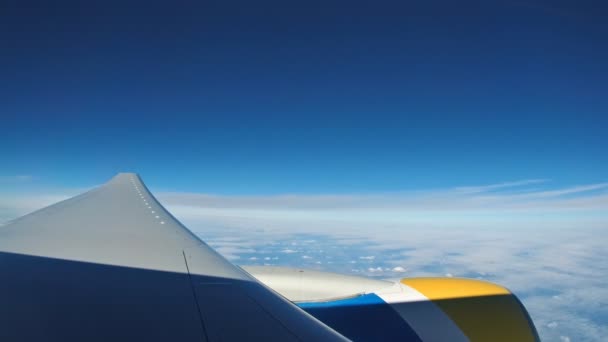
(362, 318)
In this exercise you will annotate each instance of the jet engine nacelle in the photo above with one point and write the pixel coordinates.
(412, 309)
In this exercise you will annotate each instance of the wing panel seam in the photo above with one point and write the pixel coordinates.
(198, 308)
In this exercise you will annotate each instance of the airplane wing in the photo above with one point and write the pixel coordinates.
(113, 264)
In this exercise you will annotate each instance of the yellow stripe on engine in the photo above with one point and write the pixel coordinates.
(482, 310)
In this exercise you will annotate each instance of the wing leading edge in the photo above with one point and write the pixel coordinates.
(112, 263)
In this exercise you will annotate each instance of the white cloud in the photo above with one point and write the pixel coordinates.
(288, 251)
(486, 188)
(464, 199)
(455, 209)
(306, 257)
(474, 197)
(398, 269)
(13, 206)
(370, 257)
(16, 179)
(572, 190)
(564, 338)
(552, 324)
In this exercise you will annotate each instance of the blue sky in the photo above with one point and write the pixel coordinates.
(386, 139)
(305, 98)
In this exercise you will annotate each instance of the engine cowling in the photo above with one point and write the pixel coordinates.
(413, 309)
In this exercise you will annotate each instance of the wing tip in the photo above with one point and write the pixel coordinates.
(120, 175)
(125, 177)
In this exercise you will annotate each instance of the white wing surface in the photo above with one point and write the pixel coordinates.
(113, 264)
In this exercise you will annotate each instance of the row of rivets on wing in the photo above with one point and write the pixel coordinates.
(146, 201)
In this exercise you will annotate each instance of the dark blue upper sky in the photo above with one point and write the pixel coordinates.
(304, 96)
